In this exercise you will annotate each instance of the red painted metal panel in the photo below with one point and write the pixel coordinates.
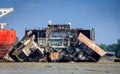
(7, 37)
(7, 41)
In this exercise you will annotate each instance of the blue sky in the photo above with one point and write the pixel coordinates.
(103, 15)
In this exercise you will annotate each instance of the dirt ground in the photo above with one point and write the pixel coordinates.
(59, 68)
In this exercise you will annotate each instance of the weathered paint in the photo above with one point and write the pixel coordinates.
(91, 44)
(7, 41)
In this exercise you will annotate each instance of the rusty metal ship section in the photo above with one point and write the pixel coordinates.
(27, 50)
(57, 43)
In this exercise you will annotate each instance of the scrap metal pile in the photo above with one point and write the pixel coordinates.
(56, 43)
(27, 50)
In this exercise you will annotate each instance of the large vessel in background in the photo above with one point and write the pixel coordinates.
(7, 36)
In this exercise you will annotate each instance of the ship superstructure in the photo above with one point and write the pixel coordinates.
(57, 43)
(63, 39)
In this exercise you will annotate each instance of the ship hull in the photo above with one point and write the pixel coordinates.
(7, 41)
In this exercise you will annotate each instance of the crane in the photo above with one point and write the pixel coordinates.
(3, 12)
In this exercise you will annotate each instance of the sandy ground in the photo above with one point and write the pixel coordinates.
(59, 68)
